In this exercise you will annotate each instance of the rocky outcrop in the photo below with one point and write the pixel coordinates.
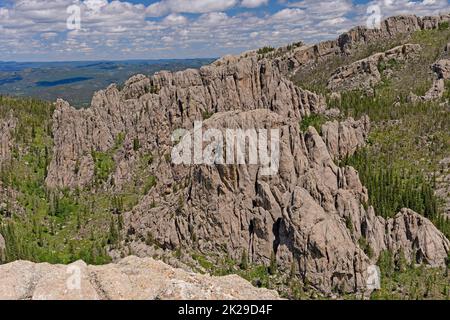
(442, 70)
(129, 279)
(435, 92)
(149, 109)
(366, 73)
(297, 215)
(408, 234)
(7, 127)
(344, 138)
(391, 28)
(417, 238)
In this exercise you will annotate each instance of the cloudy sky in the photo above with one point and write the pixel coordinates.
(50, 30)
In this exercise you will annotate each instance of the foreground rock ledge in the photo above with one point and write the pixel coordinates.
(130, 279)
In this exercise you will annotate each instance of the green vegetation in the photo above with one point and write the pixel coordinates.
(366, 247)
(103, 166)
(443, 26)
(407, 140)
(206, 115)
(391, 64)
(294, 45)
(136, 144)
(314, 120)
(392, 188)
(56, 225)
(400, 281)
(149, 184)
(265, 50)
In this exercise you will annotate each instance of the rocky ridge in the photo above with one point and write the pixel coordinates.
(149, 109)
(130, 279)
(348, 42)
(366, 73)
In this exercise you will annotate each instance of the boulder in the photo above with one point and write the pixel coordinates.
(442, 69)
(130, 279)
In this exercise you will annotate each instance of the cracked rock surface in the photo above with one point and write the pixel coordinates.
(132, 279)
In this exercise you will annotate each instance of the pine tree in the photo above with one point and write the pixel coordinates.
(273, 267)
(244, 260)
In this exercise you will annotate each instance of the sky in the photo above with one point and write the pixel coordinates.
(69, 30)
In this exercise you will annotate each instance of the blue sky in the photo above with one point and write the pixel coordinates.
(48, 30)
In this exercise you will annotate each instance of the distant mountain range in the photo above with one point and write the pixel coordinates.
(76, 81)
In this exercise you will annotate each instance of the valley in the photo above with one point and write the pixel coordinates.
(77, 81)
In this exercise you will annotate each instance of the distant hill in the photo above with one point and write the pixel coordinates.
(77, 81)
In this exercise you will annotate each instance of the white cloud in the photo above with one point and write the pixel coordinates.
(188, 6)
(213, 18)
(178, 28)
(253, 3)
(95, 5)
(325, 8)
(397, 7)
(289, 15)
(175, 19)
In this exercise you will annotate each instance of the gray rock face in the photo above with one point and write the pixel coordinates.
(365, 73)
(129, 279)
(171, 100)
(149, 109)
(436, 91)
(417, 238)
(2, 247)
(344, 138)
(7, 127)
(293, 215)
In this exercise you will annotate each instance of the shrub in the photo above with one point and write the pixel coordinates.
(149, 184)
(103, 166)
(206, 115)
(136, 144)
(244, 261)
(443, 26)
(314, 120)
(265, 50)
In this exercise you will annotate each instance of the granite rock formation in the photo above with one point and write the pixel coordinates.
(130, 279)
